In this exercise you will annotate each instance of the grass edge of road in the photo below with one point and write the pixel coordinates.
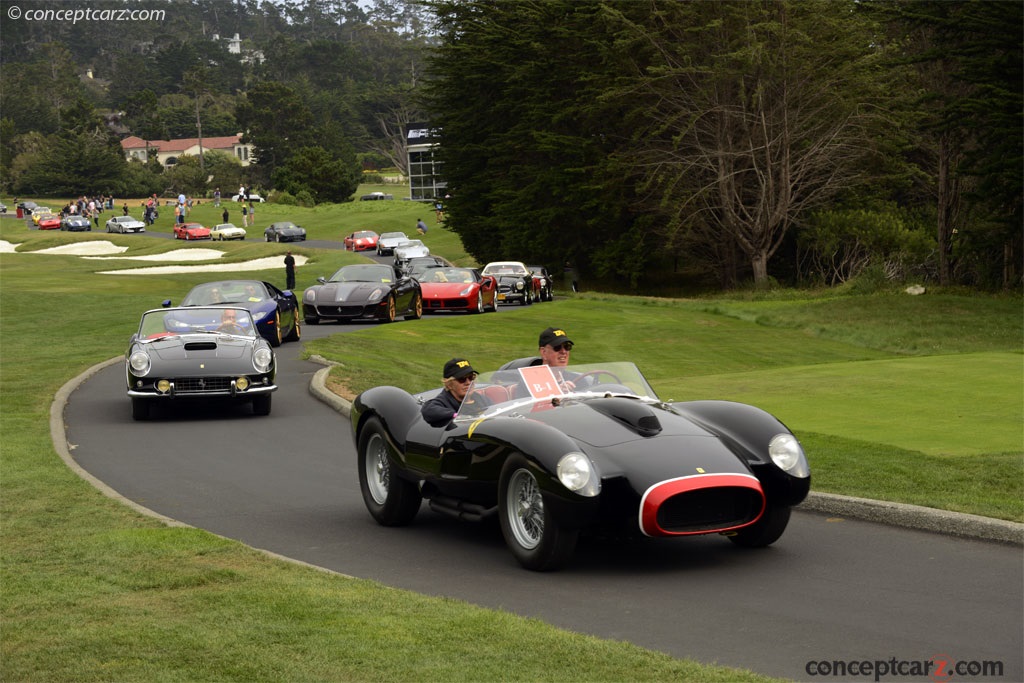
(94, 591)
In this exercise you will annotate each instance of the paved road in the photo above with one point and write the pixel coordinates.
(829, 590)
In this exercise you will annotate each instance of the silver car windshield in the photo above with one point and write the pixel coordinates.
(505, 391)
(170, 322)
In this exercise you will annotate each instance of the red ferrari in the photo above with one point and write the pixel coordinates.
(458, 289)
(191, 231)
(363, 240)
(49, 221)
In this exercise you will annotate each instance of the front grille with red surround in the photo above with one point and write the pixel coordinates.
(701, 504)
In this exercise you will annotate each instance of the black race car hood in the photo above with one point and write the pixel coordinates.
(339, 292)
(603, 422)
(621, 432)
(199, 347)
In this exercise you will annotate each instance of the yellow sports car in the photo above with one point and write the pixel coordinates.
(39, 212)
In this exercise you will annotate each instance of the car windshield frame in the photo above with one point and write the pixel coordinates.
(387, 273)
(499, 269)
(161, 323)
(537, 387)
(229, 291)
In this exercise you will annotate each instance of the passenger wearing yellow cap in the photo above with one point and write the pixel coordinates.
(440, 410)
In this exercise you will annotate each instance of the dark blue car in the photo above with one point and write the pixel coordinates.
(275, 311)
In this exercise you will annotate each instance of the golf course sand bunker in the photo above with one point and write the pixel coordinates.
(105, 249)
(268, 263)
(174, 255)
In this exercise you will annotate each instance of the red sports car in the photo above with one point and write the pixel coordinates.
(49, 221)
(458, 289)
(363, 240)
(191, 231)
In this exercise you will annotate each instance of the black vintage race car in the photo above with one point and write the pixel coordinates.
(363, 292)
(199, 352)
(555, 452)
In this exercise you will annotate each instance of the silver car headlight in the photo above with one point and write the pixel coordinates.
(309, 295)
(519, 284)
(260, 315)
(140, 363)
(262, 358)
(376, 295)
(577, 474)
(467, 291)
(787, 453)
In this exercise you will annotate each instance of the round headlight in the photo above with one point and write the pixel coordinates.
(786, 452)
(309, 295)
(163, 386)
(576, 473)
(519, 284)
(262, 357)
(140, 363)
(242, 383)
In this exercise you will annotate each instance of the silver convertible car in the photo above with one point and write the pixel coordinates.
(195, 352)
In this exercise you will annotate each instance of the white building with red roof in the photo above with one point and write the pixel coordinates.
(168, 151)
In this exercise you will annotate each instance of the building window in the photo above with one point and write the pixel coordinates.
(425, 181)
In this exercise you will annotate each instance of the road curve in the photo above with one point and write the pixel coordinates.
(831, 590)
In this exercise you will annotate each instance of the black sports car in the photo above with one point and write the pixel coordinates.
(275, 311)
(555, 452)
(75, 224)
(542, 280)
(515, 282)
(199, 352)
(363, 292)
(285, 231)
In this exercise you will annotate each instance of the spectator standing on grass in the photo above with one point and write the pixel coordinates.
(289, 271)
(216, 197)
(245, 216)
(225, 216)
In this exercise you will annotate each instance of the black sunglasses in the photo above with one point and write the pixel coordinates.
(467, 378)
(567, 346)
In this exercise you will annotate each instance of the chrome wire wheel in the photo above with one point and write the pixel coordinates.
(375, 465)
(525, 508)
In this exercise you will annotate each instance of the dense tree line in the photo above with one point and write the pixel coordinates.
(704, 142)
(803, 141)
(317, 86)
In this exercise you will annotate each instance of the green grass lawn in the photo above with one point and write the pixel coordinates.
(902, 398)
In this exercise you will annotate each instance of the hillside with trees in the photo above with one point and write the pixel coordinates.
(803, 142)
(659, 145)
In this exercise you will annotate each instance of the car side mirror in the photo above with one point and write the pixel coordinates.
(166, 303)
(322, 280)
